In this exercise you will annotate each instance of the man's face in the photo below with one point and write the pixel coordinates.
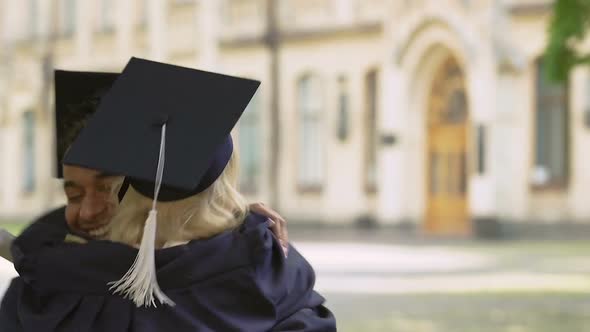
(91, 200)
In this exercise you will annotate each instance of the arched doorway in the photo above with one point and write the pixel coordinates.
(446, 152)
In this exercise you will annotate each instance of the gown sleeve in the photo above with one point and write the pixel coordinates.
(289, 283)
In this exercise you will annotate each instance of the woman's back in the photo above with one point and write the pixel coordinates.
(238, 280)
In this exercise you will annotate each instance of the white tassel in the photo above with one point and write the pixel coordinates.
(140, 284)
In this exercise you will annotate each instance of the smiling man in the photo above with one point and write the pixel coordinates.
(91, 200)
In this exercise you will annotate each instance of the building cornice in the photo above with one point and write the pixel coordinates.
(531, 8)
(293, 35)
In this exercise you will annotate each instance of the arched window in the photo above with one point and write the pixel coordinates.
(343, 122)
(309, 107)
(29, 151)
(105, 21)
(33, 18)
(67, 17)
(371, 98)
(551, 132)
(250, 144)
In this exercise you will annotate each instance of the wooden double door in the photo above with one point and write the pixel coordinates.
(447, 153)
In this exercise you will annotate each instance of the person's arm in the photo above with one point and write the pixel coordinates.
(300, 308)
(278, 224)
(288, 283)
(6, 239)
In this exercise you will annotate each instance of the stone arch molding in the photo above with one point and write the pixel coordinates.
(407, 30)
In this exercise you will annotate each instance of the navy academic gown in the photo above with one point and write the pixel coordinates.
(236, 281)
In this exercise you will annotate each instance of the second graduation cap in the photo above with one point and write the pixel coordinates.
(199, 109)
(77, 95)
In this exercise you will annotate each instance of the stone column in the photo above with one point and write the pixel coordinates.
(157, 31)
(391, 177)
(208, 26)
(124, 28)
(83, 31)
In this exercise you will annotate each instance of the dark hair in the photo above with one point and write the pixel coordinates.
(75, 119)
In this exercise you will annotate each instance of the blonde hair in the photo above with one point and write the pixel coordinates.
(220, 207)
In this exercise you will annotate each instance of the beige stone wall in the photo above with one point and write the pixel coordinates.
(343, 195)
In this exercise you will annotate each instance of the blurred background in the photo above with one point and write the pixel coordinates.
(428, 169)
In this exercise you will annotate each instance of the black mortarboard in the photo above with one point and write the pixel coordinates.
(77, 95)
(199, 108)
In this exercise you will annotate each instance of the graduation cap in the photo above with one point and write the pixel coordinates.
(77, 95)
(167, 129)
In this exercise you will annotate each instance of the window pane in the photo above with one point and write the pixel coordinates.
(456, 110)
(450, 173)
(107, 20)
(69, 16)
(310, 147)
(304, 94)
(551, 130)
(143, 12)
(34, 18)
(342, 124)
(317, 156)
(557, 142)
(29, 151)
(434, 165)
(481, 149)
(463, 173)
(371, 130)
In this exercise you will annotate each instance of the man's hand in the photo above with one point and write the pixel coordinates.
(278, 225)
